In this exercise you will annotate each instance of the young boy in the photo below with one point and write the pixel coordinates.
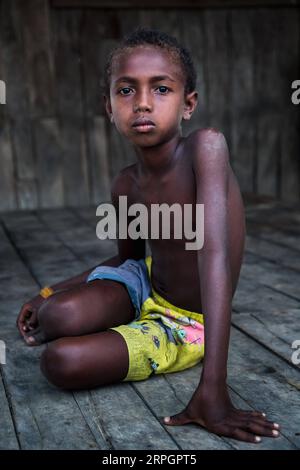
(132, 316)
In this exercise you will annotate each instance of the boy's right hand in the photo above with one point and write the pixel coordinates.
(27, 319)
(212, 409)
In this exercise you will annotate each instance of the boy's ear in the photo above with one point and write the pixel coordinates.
(190, 103)
(107, 106)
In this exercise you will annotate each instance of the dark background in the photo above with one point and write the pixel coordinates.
(57, 147)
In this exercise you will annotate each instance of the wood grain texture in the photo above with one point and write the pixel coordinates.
(243, 100)
(8, 199)
(218, 69)
(290, 124)
(193, 37)
(39, 57)
(172, 3)
(45, 417)
(7, 180)
(49, 245)
(17, 103)
(53, 59)
(8, 438)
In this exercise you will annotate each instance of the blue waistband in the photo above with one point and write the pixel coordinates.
(133, 274)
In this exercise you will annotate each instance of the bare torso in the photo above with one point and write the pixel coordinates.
(174, 269)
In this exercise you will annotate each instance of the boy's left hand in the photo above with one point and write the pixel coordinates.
(27, 319)
(211, 408)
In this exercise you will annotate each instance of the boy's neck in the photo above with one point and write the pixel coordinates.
(156, 161)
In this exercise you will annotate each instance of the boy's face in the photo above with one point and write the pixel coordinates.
(147, 84)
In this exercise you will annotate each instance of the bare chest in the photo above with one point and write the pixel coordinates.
(165, 201)
(177, 187)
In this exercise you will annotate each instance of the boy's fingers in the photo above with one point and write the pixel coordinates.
(32, 323)
(23, 319)
(260, 430)
(33, 318)
(258, 414)
(35, 337)
(245, 436)
(260, 422)
(244, 431)
(235, 432)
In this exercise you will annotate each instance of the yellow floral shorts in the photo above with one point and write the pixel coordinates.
(164, 339)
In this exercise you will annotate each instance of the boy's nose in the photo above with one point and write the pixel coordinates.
(143, 103)
(142, 108)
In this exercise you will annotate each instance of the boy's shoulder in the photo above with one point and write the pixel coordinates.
(208, 141)
(123, 181)
(207, 148)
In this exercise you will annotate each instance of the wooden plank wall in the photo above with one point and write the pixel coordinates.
(57, 147)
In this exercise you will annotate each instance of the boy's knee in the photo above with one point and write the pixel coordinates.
(55, 316)
(59, 364)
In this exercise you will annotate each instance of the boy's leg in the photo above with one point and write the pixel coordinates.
(87, 361)
(87, 308)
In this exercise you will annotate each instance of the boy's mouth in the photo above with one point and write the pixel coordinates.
(143, 125)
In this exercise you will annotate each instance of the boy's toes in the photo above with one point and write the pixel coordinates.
(35, 338)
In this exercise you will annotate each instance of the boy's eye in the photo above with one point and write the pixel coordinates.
(126, 89)
(163, 89)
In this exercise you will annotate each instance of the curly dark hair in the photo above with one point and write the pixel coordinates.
(143, 36)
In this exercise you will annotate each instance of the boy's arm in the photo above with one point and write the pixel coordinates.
(211, 167)
(210, 405)
(121, 185)
(128, 248)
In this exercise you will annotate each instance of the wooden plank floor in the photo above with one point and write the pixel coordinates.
(43, 247)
